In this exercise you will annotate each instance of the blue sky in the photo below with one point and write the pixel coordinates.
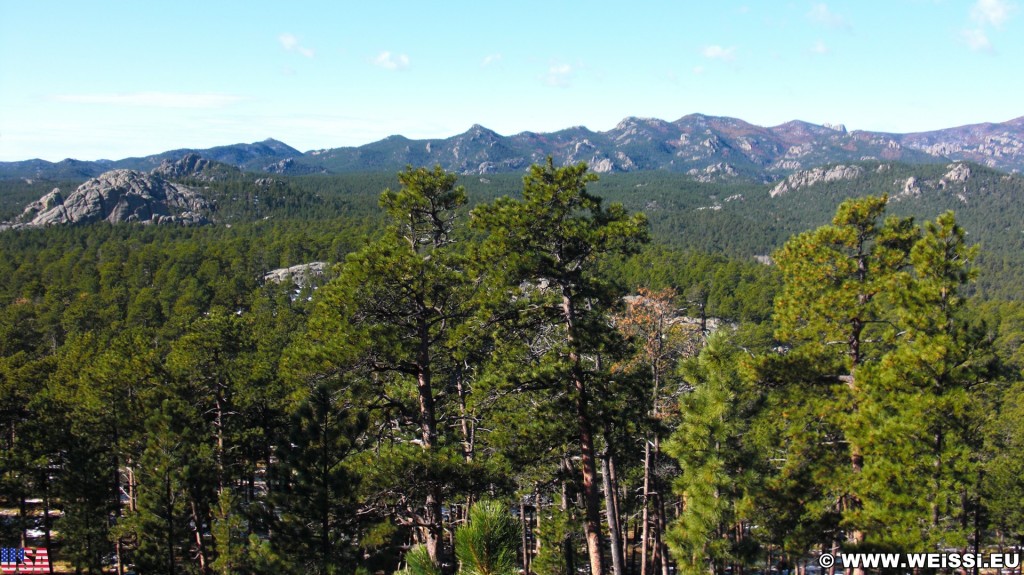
(94, 80)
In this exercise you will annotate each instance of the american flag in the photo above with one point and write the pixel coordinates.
(27, 560)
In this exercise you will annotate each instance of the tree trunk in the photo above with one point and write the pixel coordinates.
(613, 516)
(46, 515)
(937, 480)
(467, 433)
(591, 495)
(428, 429)
(856, 535)
(22, 521)
(661, 549)
(170, 523)
(835, 551)
(645, 520)
(118, 507)
(536, 507)
(219, 425)
(525, 536)
(567, 550)
(130, 476)
(623, 527)
(197, 532)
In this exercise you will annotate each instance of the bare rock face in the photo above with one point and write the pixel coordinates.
(958, 173)
(118, 196)
(911, 189)
(301, 274)
(51, 202)
(712, 173)
(810, 177)
(282, 167)
(192, 166)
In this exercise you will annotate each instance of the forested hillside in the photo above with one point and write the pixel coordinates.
(550, 374)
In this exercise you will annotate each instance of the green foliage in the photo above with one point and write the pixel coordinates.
(178, 408)
(314, 487)
(177, 467)
(551, 245)
(230, 541)
(419, 562)
(881, 375)
(488, 544)
(720, 461)
(560, 541)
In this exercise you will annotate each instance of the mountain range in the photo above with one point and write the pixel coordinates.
(707, 148)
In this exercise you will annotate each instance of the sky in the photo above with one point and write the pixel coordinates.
(106, 79)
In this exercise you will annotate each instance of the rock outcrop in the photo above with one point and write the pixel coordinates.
(117, 196)
(713, 173)
(301, 275)
(194, 166)
(808, 178)
(957, 173)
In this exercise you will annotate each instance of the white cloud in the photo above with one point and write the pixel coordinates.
(716, 52)
(390, 61)
(819, 47)
(698, 70)
(993, 12)
(291, 44)
(976, 40)
(288, 41)
(151, 99)
(559, 75)
(491, 59)
(821, 14)
(986, 14)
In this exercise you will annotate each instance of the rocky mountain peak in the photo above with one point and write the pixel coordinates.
(478, 132)
(194, 166)
(117, 196)
(694, 142)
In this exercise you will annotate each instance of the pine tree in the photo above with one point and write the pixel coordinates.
(879, 373)
(922, 417)
(650, 318)
(546, 248)
(229, 537)
(721, 465)
(177, 488)
(391, 315)
(487, 544)
(314, 488)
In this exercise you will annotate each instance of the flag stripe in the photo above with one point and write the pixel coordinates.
(27, 560)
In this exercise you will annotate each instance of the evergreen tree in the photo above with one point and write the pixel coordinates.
(879, 374)
(487, 544)
(836, 310)
(314, 488)
(547, 247)
(391, 315)
(177, 488)
(923, 415)
(229, 537)
(721, 466)
(651, 318)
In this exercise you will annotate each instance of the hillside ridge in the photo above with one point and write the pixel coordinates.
(707, 148)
